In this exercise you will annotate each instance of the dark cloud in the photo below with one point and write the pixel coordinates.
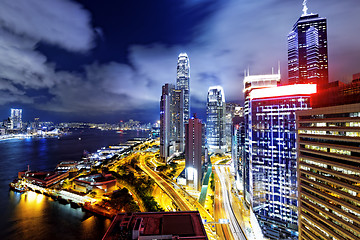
(60, 22)
(234, 36)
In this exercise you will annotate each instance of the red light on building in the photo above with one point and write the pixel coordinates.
(287, 90)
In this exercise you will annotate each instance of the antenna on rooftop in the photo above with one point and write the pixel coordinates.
(305, 8)
(279, 67)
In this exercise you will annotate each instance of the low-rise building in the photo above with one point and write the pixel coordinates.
(159, 225)
(100, 183)
(42, 179)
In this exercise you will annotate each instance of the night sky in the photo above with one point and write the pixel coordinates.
(105, 61)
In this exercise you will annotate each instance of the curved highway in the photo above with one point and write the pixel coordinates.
(234, 225)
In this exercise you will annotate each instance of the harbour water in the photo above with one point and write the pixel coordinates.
(34, 216)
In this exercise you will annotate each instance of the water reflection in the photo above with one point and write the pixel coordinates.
(36, 215)
(33, 216)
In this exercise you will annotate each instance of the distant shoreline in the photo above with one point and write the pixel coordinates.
(24, 136)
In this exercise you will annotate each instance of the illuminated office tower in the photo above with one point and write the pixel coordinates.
(166, 130)
(178, 119)
(312, 54)
(215, 120)
(252, 82)
(171, 121)
(229, 114)
(272, 156)
(193, 152)
(183, 82)
(238, 146)
(307, 50)
(329, 165)
(16, 119)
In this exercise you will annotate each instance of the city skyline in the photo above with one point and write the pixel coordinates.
(277, 158)
(107, 62)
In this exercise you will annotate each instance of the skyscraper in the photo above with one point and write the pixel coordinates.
(215, 120)
(178, 119)
(166, 131)
(329, 164)
(238, 146)
(193, 152)
(307, 50)
(183, 82)
(171, 121)
(16, 119)
(252, 82)
(272, 156)
(329, 172)
(229, 114)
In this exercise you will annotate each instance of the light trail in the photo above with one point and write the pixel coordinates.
(235, 227)
(166, 187)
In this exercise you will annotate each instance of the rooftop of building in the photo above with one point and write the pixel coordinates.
(95, 178)
(44, 176)
(214, 91)
(159, 225)
(310, 17)
(183, 55)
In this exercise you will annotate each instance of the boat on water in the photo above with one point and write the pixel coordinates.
(63, 200)
(17, 186)
(46, 193)
(74, 204)
(54, 197)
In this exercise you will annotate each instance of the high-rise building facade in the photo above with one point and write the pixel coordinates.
(178, 119)
(307, 50)
(329, 172)
(252, 82)
(238, 146)
(215, 120)
(16, 119)
(329, 164)
(183, 82)
(272, 156)
(166, 131)
(229, 114)
(193, 152)
(171, 121)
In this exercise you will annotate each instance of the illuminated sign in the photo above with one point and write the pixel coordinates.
(288, 90)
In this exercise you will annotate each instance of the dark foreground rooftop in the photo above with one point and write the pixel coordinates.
(159, 225)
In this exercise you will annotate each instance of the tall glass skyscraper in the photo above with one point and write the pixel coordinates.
(183, 82)
(171, 121)
(177, 108)
(252, 82)
(238, 146)
(215, 120)
(272, 156)
(307, 50)
(166, 118)
(16, 118)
